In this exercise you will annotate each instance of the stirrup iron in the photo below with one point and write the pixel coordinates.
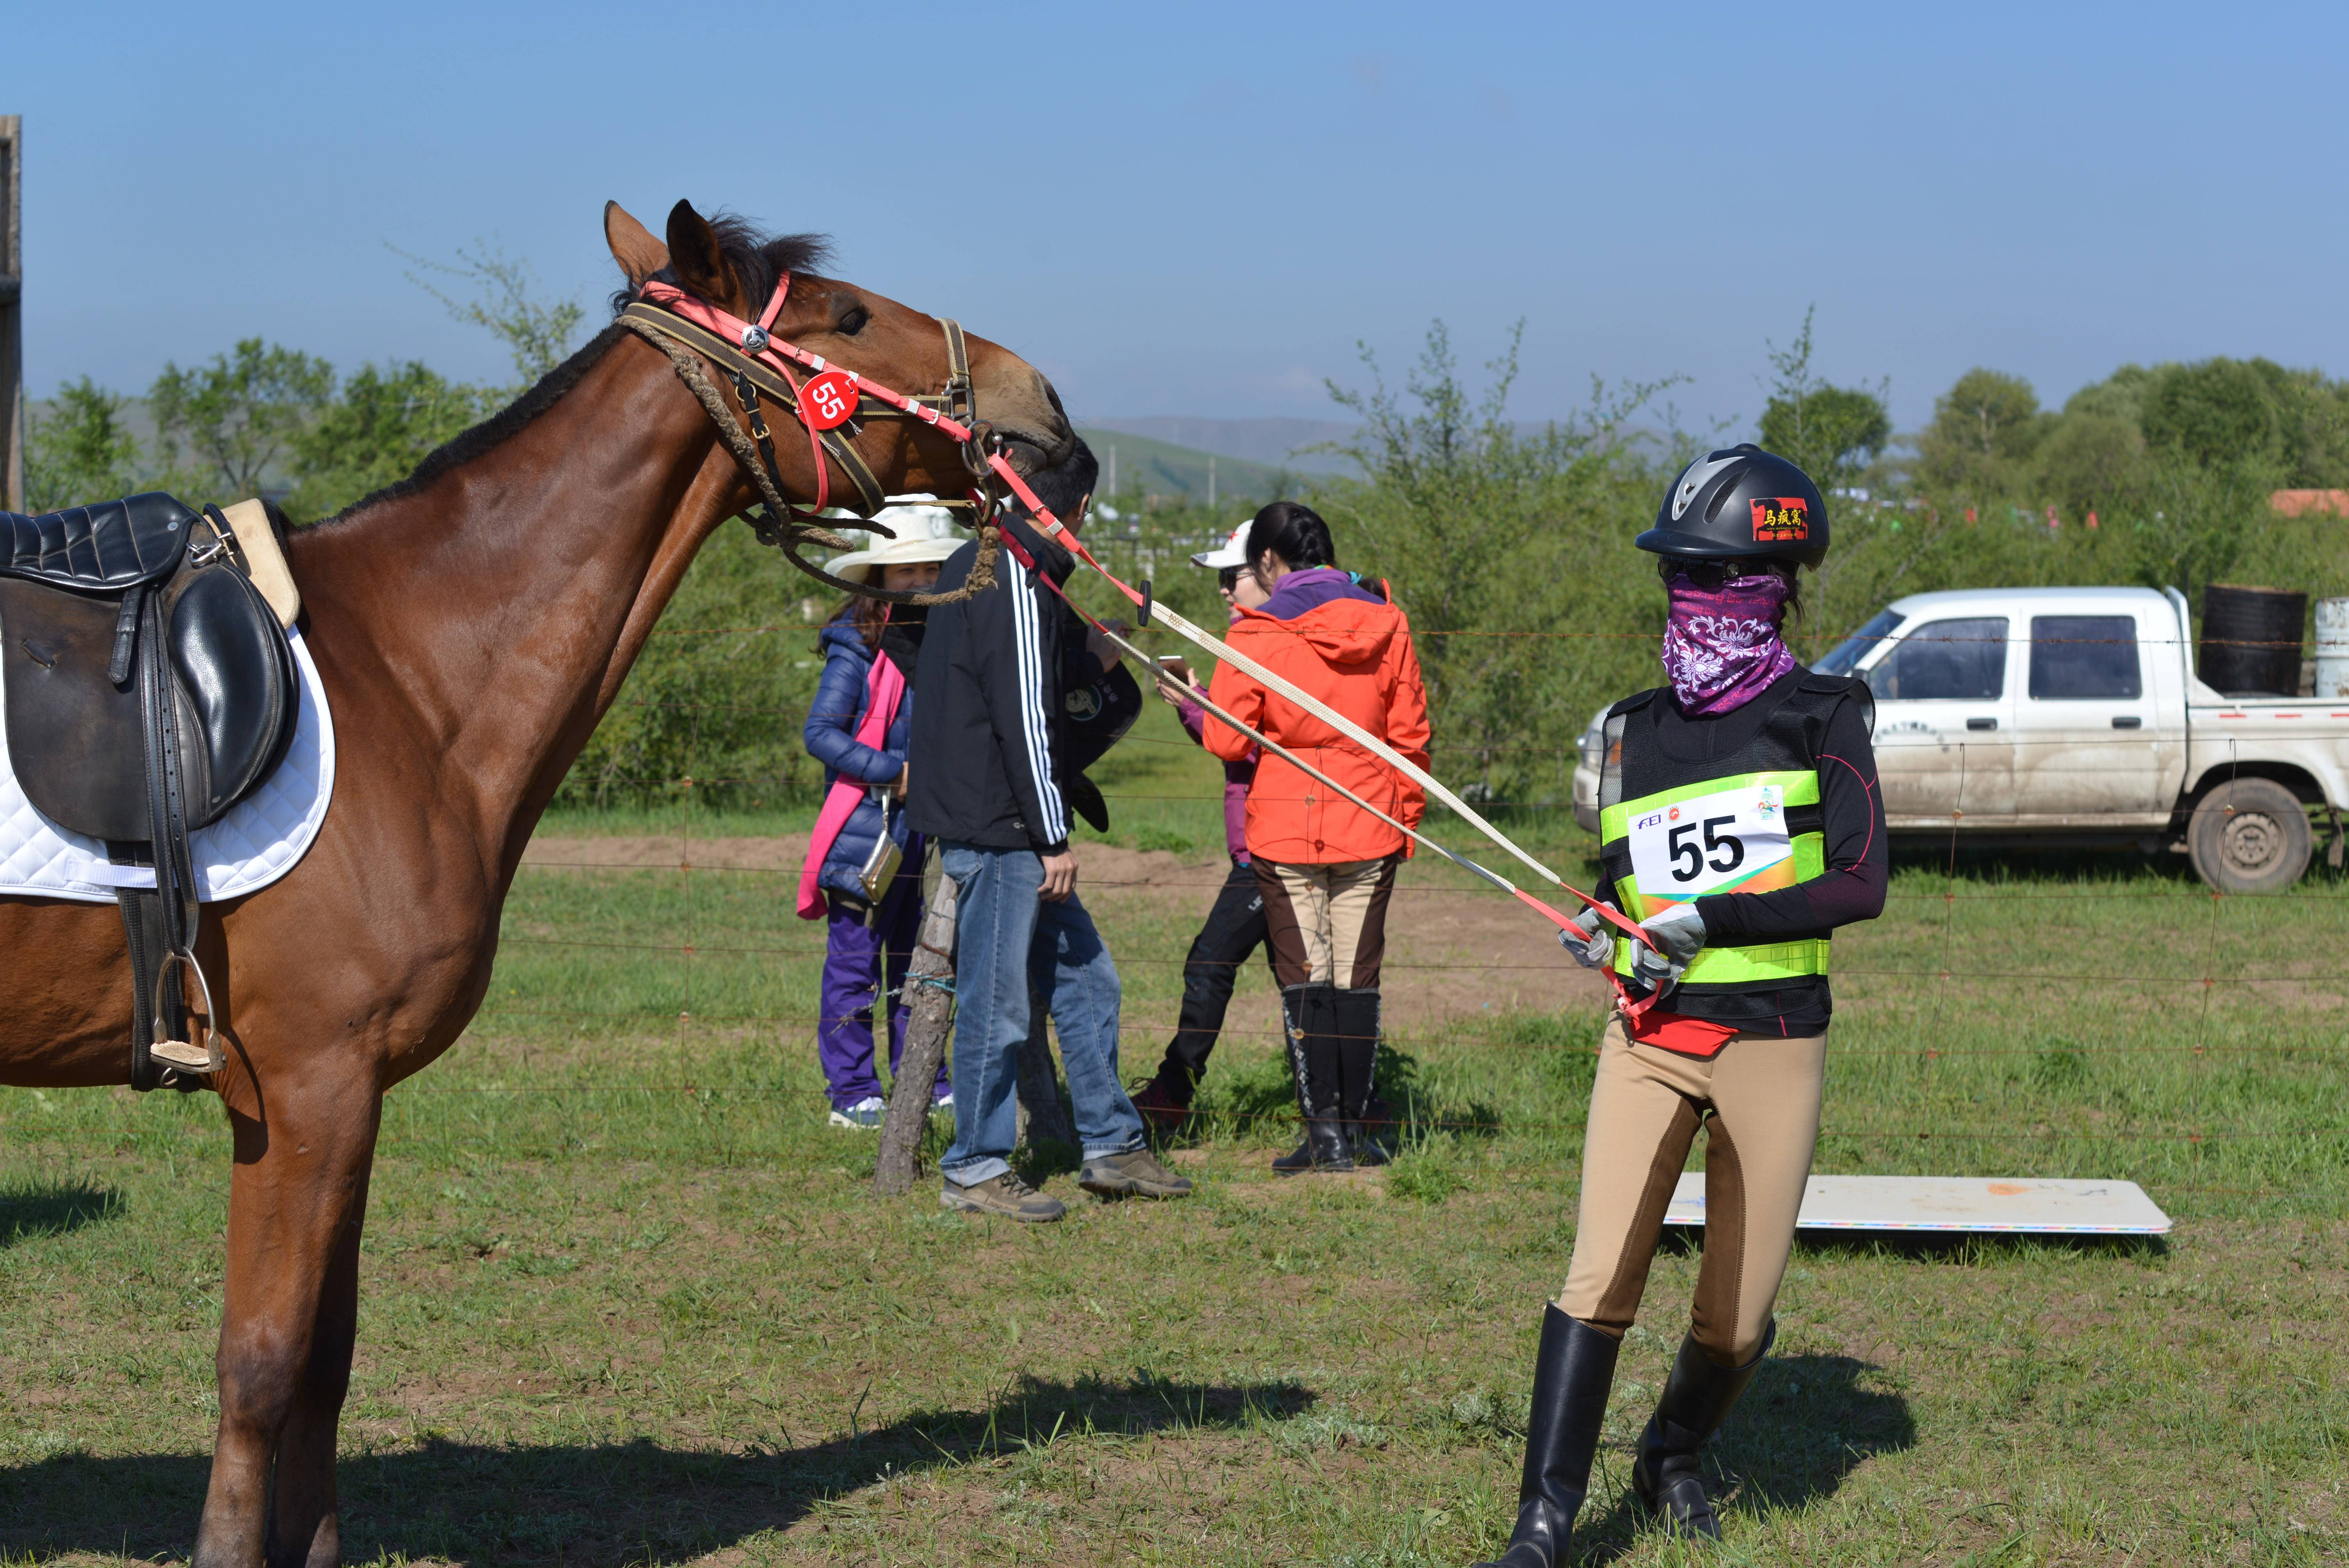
(185, 1056)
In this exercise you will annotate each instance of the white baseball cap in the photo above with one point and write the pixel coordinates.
(925, 533)
(1233, 552)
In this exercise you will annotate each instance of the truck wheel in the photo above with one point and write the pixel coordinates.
(2250, 836)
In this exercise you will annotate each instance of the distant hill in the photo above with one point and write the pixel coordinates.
(1278, 443)
(1134, 464)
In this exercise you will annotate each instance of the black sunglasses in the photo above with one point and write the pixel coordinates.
(1707, 575)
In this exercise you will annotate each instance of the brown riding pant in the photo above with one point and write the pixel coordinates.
(1758, 1101)
(1327, 924)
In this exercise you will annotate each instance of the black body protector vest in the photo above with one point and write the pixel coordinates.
(1674, 829)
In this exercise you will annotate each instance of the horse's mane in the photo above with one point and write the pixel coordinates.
(758, 260)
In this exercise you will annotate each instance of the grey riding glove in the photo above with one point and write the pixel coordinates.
(1589, 939)
(1679, 932)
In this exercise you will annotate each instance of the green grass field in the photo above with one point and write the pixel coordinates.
(627, 1299)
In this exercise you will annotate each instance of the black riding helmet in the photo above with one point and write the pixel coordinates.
(1739, 504)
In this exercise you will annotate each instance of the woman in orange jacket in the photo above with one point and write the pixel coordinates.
(1325, 865)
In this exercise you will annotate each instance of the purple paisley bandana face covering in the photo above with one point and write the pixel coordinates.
(1722, 648)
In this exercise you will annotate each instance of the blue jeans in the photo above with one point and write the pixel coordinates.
(1007, 941)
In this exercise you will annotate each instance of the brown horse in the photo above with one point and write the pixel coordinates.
(471, 623)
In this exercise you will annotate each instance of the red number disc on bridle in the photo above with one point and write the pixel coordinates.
(828, 400)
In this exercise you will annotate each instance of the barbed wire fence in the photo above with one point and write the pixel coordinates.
(2216, 984)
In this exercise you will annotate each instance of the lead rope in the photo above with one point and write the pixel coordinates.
(759, 345)
(1311, 704)
(1632, 1007)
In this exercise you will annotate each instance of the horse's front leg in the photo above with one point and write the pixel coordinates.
(295, 1205)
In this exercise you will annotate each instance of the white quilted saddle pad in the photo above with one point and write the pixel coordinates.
(258, 842)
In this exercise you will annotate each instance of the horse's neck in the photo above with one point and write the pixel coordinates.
(482, 624)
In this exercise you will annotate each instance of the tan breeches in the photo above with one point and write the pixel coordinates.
(1758, 1101)
(1327, 924)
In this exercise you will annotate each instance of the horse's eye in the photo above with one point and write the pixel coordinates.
(852, 323)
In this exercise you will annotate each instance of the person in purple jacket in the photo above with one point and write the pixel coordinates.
(863, 752)
(1235, 926)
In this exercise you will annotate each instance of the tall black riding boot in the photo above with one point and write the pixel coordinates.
(1697, 1398)
(1356, 1026)
(1305, 1012)
(1575, 1368)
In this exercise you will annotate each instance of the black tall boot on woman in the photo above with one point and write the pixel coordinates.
(1306, 1017)
(1356, 1027)
(1697, 1398)
(1572, 1373)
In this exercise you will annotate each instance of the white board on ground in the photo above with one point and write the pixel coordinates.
(2053, 1206)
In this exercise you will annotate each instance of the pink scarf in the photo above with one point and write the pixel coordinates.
(1721, 649)
(884, 688)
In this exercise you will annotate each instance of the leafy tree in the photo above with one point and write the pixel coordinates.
(1831, 433)
(1984, 429)
(2119, 395)
(241, 413)
(2198, 520)
(78, 450)
(505, 302)
(1488, 531)
(380, 426)
(2219, 413)
(2091, 460)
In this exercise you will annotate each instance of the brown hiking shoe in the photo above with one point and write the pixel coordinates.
(1006, 1195)
(1133, 1174)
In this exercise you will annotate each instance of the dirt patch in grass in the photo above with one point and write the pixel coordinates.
(1452, 950)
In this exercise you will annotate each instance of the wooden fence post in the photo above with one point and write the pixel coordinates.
(929, 1028)
(929, 982)
(13, 416)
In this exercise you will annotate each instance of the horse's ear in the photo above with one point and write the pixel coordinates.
(693, 251)
(633, 246)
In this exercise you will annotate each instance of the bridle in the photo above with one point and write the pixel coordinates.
(831, 405)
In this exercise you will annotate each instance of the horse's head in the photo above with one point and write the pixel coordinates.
(725, 262)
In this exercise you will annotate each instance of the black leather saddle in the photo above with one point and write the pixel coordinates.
(148, 686)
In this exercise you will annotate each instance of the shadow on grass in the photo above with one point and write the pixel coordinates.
(1972, 1246)
(1805, 1424)
(1256, 1104)
(626, 1503)
(1962, 1247)
(52, 1209)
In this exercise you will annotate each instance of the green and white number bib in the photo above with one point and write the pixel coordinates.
(1730, 840)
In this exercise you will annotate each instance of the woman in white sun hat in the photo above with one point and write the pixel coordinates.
(858, 727)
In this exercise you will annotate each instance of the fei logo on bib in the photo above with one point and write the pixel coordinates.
(1732, 840)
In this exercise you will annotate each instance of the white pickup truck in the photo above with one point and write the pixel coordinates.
(2065, 716)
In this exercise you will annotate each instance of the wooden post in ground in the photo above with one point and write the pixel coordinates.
(929, 980)
(11, 313)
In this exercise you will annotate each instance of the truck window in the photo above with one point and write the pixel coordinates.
(2075, 656)
(1964, 659)
(1859, 644)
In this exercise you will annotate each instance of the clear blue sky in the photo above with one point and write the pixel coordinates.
(1200, 208)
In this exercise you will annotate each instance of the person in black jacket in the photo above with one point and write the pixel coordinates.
(992, 784)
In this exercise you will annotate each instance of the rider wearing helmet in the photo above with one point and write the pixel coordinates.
(1739, 825)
